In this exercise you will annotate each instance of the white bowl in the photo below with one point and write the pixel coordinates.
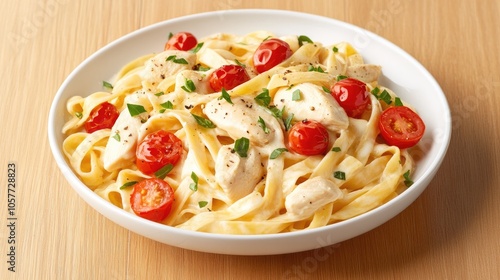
(401, 72)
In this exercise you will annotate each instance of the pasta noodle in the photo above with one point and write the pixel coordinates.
(292, 191)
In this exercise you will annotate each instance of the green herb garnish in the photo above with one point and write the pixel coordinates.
(107, 85)
(303, 38)
(339, 175)
(277, 152)
(194, 185)
(296, 95)
(203, 122)
(128, 184)
(135, 109)
(407, 180)
(162, 172)
(197, 48)
(189, 86)
(241, 146)
(263, 125)
(225, 96)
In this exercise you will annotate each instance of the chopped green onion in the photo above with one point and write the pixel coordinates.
(241, 146)
(325, 89)
(159, 93)
(277, 152)
(170, 35)
(203, 68)
(296, 95)
(135, 109)
(335, 49)
(203, 122)
(339, 175)
(79, 115)
(128, 184)
(194, 185)
(336, 149)
(162, 172)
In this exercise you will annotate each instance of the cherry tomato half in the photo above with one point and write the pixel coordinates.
(102, 116)
(152, 199)
(270, 53)
(401, 127)
(352, 95)
(308, 138)
(157, 150)
(228, 77)
(182, 41)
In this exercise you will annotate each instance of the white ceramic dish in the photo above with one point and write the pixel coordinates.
(401, 72)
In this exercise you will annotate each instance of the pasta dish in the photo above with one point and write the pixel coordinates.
(244, 134)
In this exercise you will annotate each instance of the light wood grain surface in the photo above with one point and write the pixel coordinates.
(451, 232)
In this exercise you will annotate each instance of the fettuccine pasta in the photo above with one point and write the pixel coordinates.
(269, 190)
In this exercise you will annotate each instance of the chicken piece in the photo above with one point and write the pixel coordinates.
(241, 119)
(310, 196)
(237, 175)
(314, 104)
(166, 64)
(367, 73)
(200, 82)
(120, 150)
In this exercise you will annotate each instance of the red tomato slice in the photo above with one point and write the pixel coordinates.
(401, 127)
(352, 95)
(308, 138)
(228, 77)
(102, 116)
(183, 41)
(157, 150)
(270, 53)
(152, 199)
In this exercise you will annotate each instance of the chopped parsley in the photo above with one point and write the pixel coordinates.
(135, 109)
(407, 180)
(263, 99)
(336, 149)
(315, 69)
(197, 48)
(203, 122)
(194, 185)
(128, 184)
(159, 93)
(202, 203)
(303, 38)
(296, 95)
(162, 172)
(107, 85)
(166, 105)
(117, 136)
(277, 152)
(335, 49)
(241, 146)
(174, 59)
(189, 86)
(339, 175)
(263, 125)
(226, 96)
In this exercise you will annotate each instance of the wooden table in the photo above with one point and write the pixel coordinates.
(451, 232)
